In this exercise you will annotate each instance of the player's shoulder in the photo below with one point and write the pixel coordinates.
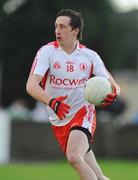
(49, 47)
(88, 51)
(53, 44)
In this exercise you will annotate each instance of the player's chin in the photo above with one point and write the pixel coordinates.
(59, 40)
(61, 43)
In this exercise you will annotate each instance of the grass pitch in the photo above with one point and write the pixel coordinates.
(115, 169)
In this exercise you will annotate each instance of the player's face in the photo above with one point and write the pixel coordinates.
(63, 31)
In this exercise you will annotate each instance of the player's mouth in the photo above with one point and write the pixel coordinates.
(59, 38)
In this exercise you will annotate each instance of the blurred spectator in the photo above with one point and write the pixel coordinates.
(135, 118)
(18, 110)
(39, 113)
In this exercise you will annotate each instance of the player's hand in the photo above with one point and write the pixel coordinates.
(59, 107)
(110, 98)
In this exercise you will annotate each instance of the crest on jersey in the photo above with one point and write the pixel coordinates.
(83, 67)
(57, 65)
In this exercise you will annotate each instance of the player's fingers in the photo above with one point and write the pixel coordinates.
(110, 95)
(62, 98)
(64, 106)
(64, 109)
(61, 114)
(108, 100)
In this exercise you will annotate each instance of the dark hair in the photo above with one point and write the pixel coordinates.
(76, 20)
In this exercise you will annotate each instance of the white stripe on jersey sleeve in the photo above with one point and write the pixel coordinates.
(43, 60)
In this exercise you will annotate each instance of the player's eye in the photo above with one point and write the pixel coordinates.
(62, 26)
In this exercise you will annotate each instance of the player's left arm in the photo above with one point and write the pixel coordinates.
(101, 70)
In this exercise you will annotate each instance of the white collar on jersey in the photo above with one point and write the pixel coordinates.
(78, 46)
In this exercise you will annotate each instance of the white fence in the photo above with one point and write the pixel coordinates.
(5, 129)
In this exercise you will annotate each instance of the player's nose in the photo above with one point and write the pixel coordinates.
(57, 33)
(57, 30)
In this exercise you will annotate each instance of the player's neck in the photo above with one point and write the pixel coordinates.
(70, 47)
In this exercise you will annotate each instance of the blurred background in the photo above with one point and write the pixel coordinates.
(111, 29)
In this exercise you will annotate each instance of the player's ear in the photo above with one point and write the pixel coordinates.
(76, 31)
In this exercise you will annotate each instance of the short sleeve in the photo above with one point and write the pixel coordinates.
(41, 61)
(99, 67)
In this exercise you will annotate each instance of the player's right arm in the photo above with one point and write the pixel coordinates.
(34, 89)
(39, 68)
